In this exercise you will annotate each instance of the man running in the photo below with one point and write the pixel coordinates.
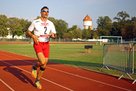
(40, 31)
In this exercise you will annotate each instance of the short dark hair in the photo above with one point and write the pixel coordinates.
(45, 7)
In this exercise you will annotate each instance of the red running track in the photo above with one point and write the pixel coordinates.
(15, 75)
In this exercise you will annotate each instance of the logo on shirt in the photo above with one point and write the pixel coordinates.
(44, 24)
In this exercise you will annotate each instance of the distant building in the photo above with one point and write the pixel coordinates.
(9, 36)
(87, 22)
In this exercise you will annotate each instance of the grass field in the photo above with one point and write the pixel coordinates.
(69, 54)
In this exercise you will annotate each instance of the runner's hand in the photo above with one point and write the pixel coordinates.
(52, 35)
(35, 39)
(47, 35)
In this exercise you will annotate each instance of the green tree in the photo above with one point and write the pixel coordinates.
(133, 20)
(115, 31)
(122, 25)
(77, 33)
(86, 34)
(24, 24)
(129, 29)
(73, 32)
(15, 26)
(67, 35)
(104, 25)
(95, 34)
(60, 25)
(3, 25)
(121, 16)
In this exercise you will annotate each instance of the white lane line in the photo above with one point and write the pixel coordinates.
(90, 79)
(68, 73)
(41, 78)
(7, 85)
(82, 77)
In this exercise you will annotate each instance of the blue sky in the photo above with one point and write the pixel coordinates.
(72, 11)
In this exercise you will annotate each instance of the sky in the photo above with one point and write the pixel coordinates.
(71, 11)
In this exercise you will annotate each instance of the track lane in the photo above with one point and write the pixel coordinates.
(74, 82)
(52, 86)
(4, 86)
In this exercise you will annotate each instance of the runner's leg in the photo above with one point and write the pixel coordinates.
(34, 69)
(43, 61)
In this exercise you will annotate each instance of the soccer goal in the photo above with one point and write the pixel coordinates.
(112, 39)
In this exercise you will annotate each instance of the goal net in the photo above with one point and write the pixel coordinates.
(112, 39)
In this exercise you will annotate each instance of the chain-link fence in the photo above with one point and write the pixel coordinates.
(121, 57)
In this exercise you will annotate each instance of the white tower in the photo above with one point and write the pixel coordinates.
(87, 22)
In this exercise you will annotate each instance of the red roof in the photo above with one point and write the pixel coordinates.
(87, 18)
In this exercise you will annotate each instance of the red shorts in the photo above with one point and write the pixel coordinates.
(42, 47)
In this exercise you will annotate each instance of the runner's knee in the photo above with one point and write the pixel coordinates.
(43, 62)
(42, 67)
(35, 66)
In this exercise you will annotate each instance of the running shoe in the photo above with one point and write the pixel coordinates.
(38, 84)
(34, 72)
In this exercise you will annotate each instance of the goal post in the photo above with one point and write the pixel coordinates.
(112, 39)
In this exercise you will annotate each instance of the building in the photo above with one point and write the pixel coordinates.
(9, 36)
(87, 22)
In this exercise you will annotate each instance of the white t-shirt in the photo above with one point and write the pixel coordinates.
(42, 28)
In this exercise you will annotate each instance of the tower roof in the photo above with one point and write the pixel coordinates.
(87, 18)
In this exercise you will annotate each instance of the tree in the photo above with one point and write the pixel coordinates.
(129, 29)
(115, 31)
(24, 24)
(122, 26)
(60, 25)
(95, 34)
(86, 34)
(77, 33)
(73, 32)
(67, 36)
(121, 16)
(133, 20)
(15, 26)
(3, 26)
(104, 25)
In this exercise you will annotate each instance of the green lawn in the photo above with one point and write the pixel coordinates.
(69, 54)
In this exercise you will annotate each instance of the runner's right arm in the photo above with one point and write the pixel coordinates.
(34, 37)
